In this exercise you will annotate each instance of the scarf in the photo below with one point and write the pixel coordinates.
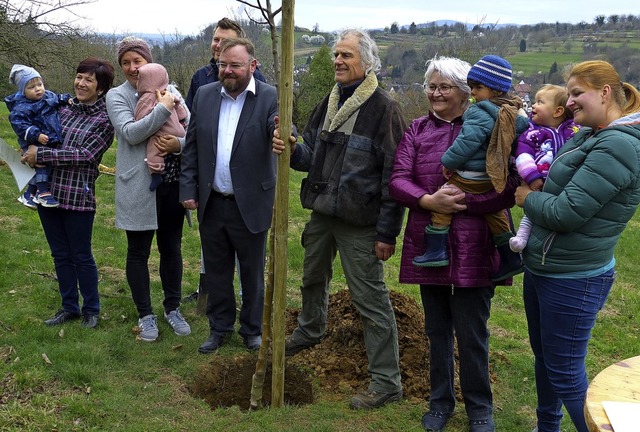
(336, 116)
(502, 137)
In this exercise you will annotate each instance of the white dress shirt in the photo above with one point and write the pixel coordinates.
(230, 110)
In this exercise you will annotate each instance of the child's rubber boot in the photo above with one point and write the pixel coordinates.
(436, 254)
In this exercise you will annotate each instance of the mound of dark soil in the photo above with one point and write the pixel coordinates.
(340, 360)
(337, 365)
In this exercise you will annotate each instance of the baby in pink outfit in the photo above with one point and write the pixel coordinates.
(152, 77)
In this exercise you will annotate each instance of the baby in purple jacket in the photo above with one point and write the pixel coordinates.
(550, 127)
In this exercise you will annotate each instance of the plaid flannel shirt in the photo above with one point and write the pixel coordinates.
(87, 134)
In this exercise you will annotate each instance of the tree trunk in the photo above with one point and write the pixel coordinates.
(281, 215)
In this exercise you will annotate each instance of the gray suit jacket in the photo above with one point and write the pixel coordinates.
(252, 165)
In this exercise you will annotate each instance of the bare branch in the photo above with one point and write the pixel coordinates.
(266, 12)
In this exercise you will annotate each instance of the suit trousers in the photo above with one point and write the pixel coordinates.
(323, 236)
(224, 235)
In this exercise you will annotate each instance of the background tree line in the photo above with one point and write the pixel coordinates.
(28, 36)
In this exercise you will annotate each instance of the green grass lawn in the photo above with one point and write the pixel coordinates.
(106, 380)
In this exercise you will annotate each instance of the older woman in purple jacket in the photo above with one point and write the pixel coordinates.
(456, 298)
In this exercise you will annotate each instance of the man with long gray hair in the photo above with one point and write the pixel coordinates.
(348, 152)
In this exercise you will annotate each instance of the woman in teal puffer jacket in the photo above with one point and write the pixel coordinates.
(592, 191)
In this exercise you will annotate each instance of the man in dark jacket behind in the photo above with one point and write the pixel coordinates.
(348, 151)
(225, 29)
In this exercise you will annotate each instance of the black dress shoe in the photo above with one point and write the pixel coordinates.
(190, 298)
(215, 341)
(62, 316)
(253, 342)
(89, 321)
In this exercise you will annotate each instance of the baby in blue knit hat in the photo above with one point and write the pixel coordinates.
(478, 160)
(34, 118)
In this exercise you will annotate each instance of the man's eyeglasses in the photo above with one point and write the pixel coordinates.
(233, 66)
(444, 89)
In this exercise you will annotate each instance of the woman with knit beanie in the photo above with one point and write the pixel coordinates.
(143, 213)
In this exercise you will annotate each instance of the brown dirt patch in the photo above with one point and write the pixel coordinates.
(227, 382)
(337, 365)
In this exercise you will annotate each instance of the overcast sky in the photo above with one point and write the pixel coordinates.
(189, 17)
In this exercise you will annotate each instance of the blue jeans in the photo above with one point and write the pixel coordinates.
(560, 316)
(463, 312)
(68, 233)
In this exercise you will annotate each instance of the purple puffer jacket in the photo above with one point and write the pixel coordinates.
(417, 171)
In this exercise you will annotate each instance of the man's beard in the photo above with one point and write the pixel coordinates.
(230, 84)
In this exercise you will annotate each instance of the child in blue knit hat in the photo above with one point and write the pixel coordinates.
(478, 160)
(34, 118)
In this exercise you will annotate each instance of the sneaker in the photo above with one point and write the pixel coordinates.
(28, 200)
(148, 326)
(435, 421)
(482, 425)
(373, 399)
(46, 199)
(177, 323)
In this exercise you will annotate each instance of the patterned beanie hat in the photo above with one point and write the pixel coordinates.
(20, 75)
(492, 71)
(132, 43)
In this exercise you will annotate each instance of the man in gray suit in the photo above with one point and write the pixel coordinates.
(229, 176)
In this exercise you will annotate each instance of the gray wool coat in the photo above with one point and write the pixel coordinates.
(135, 203)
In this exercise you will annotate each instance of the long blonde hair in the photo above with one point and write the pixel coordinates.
(595, 74)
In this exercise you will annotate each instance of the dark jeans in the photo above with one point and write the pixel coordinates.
(68, 233)
(560, 316)
(42, 177)
(169, 239)
(463, 312)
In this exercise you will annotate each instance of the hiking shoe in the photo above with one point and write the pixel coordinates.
(373, 399)
(148, 326)
(435, 421)
(294, 346)
(177, 323)
(27, 200)
(482, 425)
(46, 199)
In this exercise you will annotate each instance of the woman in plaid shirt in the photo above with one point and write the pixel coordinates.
(87, 134)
